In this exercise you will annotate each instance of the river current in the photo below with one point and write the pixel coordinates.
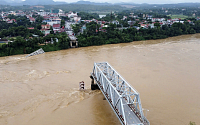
(44, 89)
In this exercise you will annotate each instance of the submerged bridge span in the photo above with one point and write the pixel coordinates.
(123, 99)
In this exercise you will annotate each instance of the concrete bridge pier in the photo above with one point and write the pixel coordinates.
(93, 86)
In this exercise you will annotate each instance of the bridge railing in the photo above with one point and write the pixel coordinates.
(118, 92)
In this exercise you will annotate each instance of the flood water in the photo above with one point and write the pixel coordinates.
(43, 89)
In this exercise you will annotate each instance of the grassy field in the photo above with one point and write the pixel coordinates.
(2, 44)
(178, 16)
(13, 38)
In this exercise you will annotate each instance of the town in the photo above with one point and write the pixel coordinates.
(56, 29)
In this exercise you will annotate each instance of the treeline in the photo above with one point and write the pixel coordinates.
(20, 31)
(88, 16)
(20, 28)
(25, 41)
(91, 36)
(26, 46)
(22, 21)
(86, 7)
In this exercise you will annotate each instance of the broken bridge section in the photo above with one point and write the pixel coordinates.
(123, 99)
(39, 51)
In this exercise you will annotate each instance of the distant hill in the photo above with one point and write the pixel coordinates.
(91, 3)
(148, 6)
(38, 2)
(81, 2)
(3, 2)
(41, 2)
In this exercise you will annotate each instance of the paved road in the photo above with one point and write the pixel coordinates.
(131, 118)
(68, 25)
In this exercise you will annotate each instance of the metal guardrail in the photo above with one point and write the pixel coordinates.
(123, 99)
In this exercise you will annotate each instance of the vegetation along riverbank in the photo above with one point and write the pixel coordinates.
(27, 31)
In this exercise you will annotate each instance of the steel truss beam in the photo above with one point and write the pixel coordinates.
(123, 98)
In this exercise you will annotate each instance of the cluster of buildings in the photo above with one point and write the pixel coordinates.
(149, 21)
(45, 29)
(52, 19)
(9, 20)
(4, 16)
(101, 23)
(52, 22)
(161, 21)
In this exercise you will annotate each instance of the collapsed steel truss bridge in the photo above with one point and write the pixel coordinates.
(123, 99)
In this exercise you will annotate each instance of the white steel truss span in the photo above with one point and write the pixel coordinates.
(123, 98)
(37, 52)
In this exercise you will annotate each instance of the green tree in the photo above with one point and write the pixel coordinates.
(39, 27)
(63, 41)
(76, 28)
(157, 25)
(62, 22)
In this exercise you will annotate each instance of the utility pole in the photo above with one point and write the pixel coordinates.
(131, 19)
(111, 17)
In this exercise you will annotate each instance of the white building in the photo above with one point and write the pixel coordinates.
(43, 13)
(53, 22)
(157, 19)
(71, 14)
(61, 12)
(115, 22)
(77, 19)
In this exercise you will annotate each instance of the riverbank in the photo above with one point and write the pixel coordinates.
(93, 36)
(56, 49)
(146, 42)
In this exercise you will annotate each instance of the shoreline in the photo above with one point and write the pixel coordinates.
(114, 44)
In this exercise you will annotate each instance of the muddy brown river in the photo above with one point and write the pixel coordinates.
(43, 89)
